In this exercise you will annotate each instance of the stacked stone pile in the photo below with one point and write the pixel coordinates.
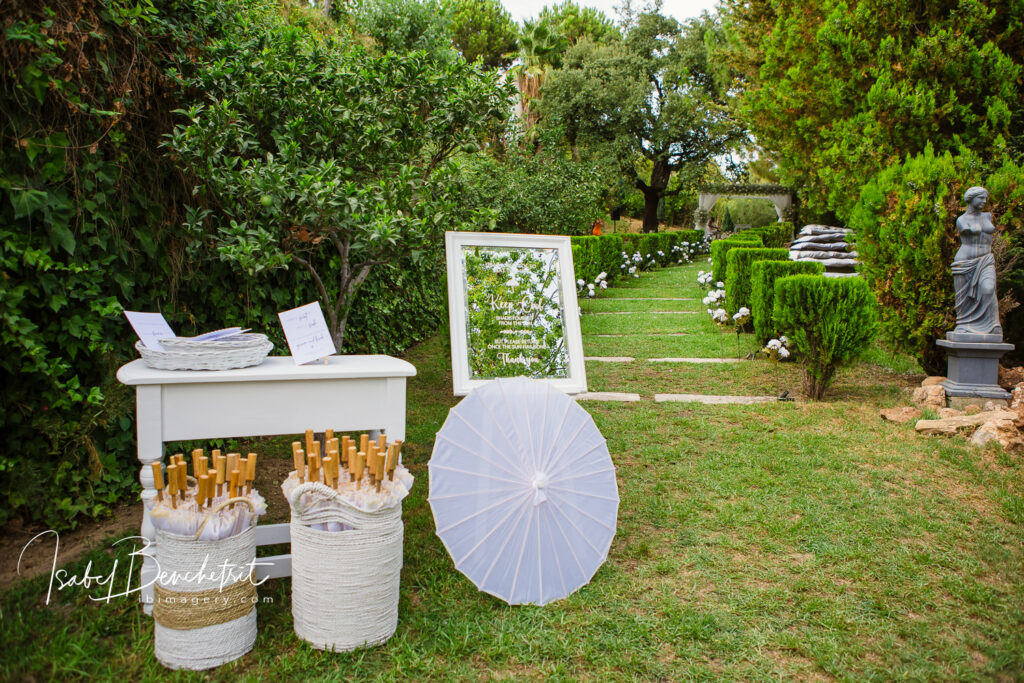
(980, 420)
(830, 246)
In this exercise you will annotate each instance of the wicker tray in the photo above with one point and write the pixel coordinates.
(241, 351)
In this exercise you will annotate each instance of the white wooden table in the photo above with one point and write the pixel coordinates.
(349, 393)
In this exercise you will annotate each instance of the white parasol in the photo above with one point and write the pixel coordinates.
(523, 491)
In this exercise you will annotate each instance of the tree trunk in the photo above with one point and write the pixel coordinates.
(653, 193)
(651, 210)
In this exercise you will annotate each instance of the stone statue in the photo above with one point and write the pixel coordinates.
(974, 273)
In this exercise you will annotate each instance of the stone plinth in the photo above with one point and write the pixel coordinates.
(973, 367)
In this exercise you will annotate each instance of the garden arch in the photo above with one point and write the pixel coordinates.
(779, 195)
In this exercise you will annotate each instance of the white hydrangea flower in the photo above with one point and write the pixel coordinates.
(744, 311)
(774, 345)
(785, 340)
(783, 352)
(580, 282)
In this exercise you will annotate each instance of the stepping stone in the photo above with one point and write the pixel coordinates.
(712, 400)
(606, 396)
(610, 359)
(642, 312)
(648, 298)
(642, 334)
(694, 360)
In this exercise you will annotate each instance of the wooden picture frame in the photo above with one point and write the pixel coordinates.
(513, 310)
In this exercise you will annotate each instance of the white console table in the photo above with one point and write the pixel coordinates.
(349, 393)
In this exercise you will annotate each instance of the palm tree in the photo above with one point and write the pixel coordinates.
(540, 50)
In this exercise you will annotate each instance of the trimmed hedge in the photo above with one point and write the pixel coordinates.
(763, 275)
(776, 235)
(719, 249)
(594, 254)
(829, 322)
(738, 273)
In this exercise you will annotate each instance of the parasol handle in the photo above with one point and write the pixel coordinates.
(220, 506)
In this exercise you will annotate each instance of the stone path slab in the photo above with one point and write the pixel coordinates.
(694, 360)
(607, 396)
(646, 298)
(712, 400)
(610, 359)
(643, 334)
(641, 313)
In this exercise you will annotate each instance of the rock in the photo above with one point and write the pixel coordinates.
(933, 380)
(933, 397)
(972, 409)
(901, 415)
(991, 405)
(1010, 377)
(1002, 431)
(951, 425)
(949, 412)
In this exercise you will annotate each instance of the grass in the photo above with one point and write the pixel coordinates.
(786, 540)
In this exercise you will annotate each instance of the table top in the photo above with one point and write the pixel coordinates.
(274, 368)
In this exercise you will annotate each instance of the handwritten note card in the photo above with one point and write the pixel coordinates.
(307, 333)
(151, 328)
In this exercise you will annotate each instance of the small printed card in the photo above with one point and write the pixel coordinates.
(307, 333)
(151, 328)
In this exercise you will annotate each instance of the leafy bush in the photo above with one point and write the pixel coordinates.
(762, 292)
(906, 226)
(738, 273)
(719, 249)
(829, 322)
(536, 193)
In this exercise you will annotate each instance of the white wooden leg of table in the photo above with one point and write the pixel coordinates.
(151, 449)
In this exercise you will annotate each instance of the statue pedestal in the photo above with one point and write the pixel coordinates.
(973, 366)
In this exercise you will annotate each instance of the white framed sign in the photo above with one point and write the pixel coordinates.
(513, 311)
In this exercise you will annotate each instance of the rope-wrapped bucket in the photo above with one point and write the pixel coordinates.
(344, 583)
(204, 609)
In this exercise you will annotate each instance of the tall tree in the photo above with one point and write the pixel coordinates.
(648, 97)
(576, 22)
(482, 29)
(837, 90)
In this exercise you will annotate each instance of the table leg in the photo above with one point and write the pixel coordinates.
(149, 433)
(394, 409)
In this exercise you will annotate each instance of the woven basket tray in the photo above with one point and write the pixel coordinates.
(241, 351)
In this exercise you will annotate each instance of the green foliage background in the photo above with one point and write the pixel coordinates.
(720, 249)
(738, 273)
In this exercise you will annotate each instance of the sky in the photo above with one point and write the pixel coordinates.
(680, 9)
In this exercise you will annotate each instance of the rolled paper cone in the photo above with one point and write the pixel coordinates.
(250, 475)
(309, 440)
(158, 481)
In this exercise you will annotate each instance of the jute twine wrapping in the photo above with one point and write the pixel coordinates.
(208, 640)
(344, 583)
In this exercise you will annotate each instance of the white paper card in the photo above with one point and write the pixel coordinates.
(151, 328)
(307, 333)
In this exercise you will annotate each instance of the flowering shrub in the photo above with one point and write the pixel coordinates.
(703, 279)
(777, 349)
(714, 297)
(719, 316)
(601, 281)
(741, 317)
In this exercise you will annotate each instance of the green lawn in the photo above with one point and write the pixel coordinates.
(786, 540)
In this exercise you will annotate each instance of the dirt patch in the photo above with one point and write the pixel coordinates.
(37, 557)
